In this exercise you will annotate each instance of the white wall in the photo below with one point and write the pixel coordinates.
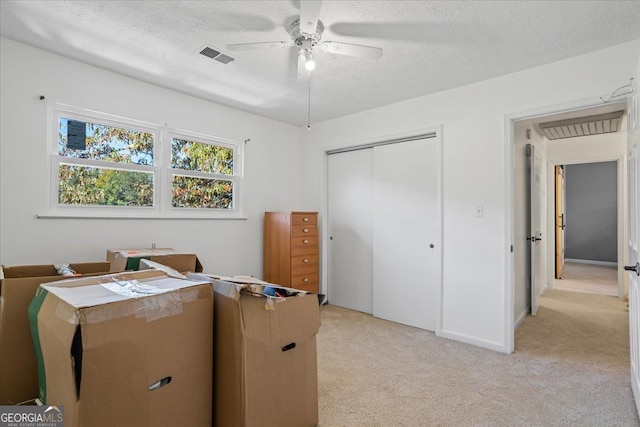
(522, 208)
(475, 306)
(224, 246)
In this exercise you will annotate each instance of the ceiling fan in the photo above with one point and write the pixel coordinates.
(306, 33)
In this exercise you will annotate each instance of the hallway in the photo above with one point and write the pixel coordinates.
(584, 339)
(589, 278)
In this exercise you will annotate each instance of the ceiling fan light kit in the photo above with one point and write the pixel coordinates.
(309, 63)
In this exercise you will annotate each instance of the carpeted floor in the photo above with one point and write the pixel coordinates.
(596, 279)
(570, 368)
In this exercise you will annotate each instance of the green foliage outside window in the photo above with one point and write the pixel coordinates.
(196, 156)
(80, 185)
(88, 185)
(189, 192)
(103, 185)
(109, 144)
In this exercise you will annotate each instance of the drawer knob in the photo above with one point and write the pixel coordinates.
(305, 280)
(306, 260)
(305, 241)
(306, 230)
(305, 219)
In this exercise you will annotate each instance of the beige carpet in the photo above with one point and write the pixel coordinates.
(596, 279)
(570, 368)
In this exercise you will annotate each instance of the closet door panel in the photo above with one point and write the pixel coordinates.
(350, 222)
(406, 223)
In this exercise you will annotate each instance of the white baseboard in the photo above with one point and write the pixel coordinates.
(593, 262)
(474, 341)
(521, 318)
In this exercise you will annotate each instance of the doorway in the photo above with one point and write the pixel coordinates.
(586, 221)
(576, 150)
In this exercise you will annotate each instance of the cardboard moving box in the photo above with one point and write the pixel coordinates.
(129, 259)
(131, 349)
(18, 285)
(265, 357)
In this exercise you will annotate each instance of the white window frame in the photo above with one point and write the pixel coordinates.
(162, 172)
(204, 139)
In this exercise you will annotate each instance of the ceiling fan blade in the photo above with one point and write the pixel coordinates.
(258, 46)
(422, 32)
(356, 50)
(304, 75)
(309, 14)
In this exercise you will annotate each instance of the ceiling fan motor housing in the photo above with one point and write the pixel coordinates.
(303, 40)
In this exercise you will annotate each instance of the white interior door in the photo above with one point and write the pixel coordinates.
(350, 225)
(406, 228)
(633, 266)
(535, 230)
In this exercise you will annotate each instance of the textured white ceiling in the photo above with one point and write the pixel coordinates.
(429, 46)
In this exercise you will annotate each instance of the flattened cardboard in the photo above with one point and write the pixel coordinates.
(132, 367)
(18, 285)
(265, 364)
(147, 264)
(129, 259)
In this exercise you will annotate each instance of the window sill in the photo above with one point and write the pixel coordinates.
(140, 217)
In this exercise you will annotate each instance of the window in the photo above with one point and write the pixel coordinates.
(104, 165)
(202, 174)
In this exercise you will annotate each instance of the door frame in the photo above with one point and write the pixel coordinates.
(509, 173)
(621, 232)
(370, 142)
(559, 226)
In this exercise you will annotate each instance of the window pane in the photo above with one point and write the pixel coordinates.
(197, 156)
(102, 142)
(189, 192)
(81, 185)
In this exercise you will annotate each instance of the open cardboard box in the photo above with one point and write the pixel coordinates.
(129, 259)
(265, 360)
(18, 285)
(130, 349)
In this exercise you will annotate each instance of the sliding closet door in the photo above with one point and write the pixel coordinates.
(406, 224)
(350, 222)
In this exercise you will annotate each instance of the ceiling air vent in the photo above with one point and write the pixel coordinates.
(212, 53)
(583, 126)
(225, 59)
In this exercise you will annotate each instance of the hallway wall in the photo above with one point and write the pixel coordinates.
(591, 212)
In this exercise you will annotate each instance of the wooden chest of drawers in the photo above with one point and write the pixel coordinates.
(291, 249)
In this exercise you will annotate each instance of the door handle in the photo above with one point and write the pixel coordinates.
(635, 268)
(534, 239)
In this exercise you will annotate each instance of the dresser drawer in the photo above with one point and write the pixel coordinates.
(304, 230)
(298, 218)
(304, 245)
(307, 282)
(304, 264)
